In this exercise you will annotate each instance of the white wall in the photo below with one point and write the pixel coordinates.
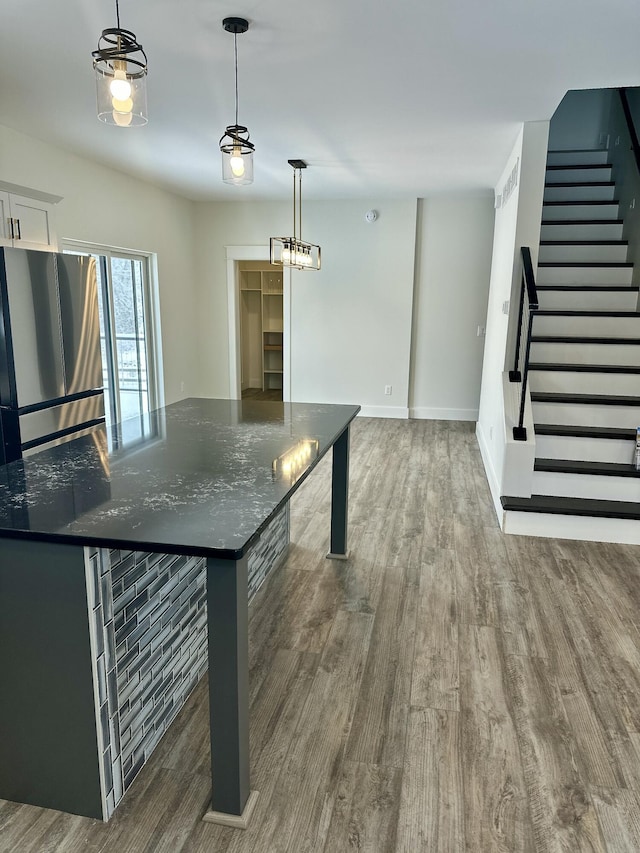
(517, 224)
(453, 265)
(101, 205)
(350, 322)
(351, 330)
(580, 119)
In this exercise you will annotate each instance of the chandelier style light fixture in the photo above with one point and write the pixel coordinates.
(237, 150)
(292, 251)
(120, 65)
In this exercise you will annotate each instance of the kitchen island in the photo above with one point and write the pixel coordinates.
(127, 558)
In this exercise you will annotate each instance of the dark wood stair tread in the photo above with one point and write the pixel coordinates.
(552, 167)
(576, 150)
(591, 288)
(582, 339)
(591, 399)
(586, 264)
(574, 184)
(568, 312)
(582, 221)
(606, 433)
(572, 506)
(573, 466)
(622, 369)
(581, 201)
(584, 242)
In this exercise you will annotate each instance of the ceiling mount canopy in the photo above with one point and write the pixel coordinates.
(235, 145)
(293, 251)
(120, 66)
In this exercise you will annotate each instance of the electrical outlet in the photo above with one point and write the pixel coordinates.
(182, 386)
(481, 331)
(505, 307)
(387, 390)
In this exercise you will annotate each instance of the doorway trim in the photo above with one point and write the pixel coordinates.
(254, 253)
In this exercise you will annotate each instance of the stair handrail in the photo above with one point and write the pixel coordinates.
(528, 306)
(626, 108)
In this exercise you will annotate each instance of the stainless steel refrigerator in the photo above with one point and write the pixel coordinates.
(51, 386)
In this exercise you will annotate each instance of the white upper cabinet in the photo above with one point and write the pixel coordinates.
(27, 221)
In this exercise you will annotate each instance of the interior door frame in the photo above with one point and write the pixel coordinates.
(234, 254)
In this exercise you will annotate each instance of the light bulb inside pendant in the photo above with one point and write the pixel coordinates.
(122, 119)
(237, 162)
(120, 87)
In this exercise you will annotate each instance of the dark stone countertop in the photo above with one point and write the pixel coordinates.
(200, 477)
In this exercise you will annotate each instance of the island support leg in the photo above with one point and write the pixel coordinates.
(340, 498)
(228, 605)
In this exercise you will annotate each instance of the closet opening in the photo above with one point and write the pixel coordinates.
(261, 330)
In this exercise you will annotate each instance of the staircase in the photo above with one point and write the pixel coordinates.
(585, 353)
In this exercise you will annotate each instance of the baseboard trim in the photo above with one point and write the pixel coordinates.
(384, 412)
(428, 413)
(490, 473)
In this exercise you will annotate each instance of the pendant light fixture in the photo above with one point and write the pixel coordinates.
(292, 251)
(237, 150)
(120, 65)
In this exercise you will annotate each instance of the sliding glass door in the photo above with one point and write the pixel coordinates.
(126, 333)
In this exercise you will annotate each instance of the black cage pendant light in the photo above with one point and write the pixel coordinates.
(120, 66)
(293, 251)
(237, 150)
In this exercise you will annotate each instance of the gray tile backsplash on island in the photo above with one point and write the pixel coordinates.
(148, 630)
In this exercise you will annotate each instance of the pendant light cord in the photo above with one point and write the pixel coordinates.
(295, 236)
(235, 53)
(297, 204)
(117, 14)
(300, 204)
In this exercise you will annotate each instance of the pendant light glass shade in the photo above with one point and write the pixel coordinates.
(289, 252)
(235, 145)
(237, 156)
(120, 66)
(293, 251)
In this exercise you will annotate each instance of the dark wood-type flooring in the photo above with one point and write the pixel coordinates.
(446, 689)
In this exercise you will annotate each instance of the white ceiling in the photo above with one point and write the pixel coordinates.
(402, 98)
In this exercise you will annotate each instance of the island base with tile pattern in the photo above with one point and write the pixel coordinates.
(121, 554)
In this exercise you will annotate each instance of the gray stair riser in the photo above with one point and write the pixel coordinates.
(579, 192)
(587, 231)
(585, 300)
(584, 275)
(575, 158)
(578, 176)
(584, 449)
(614, 327)
(585, 415)
(584, 253)
(580, 211)
(586, 486)
(586, 353)
(572, 382)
